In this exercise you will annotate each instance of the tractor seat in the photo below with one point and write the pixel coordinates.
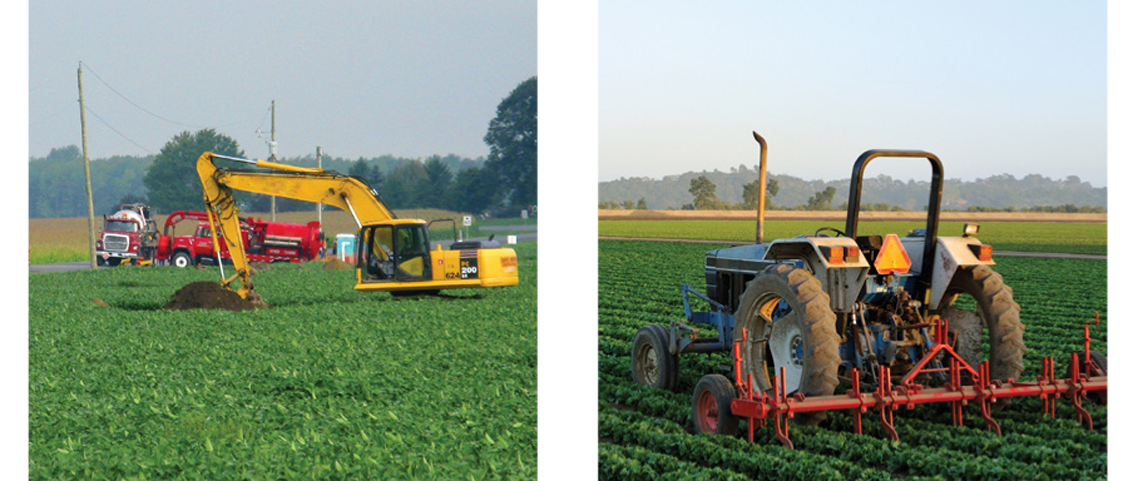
(869, 245)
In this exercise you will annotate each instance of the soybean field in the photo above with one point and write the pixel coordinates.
(328, 383)
(644, 433)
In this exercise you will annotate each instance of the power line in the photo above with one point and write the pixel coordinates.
(143, 109)
(107, 124)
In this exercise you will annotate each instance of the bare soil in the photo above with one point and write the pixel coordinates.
(207, 295)
(337, 265)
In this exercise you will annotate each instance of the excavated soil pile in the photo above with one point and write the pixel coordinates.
(207, 295)
(337, 265)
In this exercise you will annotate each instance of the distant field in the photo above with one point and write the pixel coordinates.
(65, 240)
(1072, 237)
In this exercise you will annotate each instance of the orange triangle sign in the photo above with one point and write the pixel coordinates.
(892, 257)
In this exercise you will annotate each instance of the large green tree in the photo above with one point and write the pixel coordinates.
(172, 180)
(512, 137)
(822, 200)
(404, 186)
(438, 184)
(751, 194)
(704, 193)
(471, 192)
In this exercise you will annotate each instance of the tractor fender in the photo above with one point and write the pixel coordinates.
(951, 254)
(842, 281)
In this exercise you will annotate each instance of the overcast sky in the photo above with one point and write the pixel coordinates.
(990, 87)
(408, 78)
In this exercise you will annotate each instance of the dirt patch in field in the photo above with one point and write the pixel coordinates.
(208, 295)
(337, 265)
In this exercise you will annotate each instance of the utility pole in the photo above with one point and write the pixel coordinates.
(273, 157)
(319, 166)
(86, 166)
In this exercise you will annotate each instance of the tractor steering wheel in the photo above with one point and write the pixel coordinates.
(836, 231)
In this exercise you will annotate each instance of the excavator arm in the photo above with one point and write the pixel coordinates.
(311, 185)
(396, 252)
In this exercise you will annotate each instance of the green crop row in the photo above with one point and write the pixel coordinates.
(639, 284)
(329, 383)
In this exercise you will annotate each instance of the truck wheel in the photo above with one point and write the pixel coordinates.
(651, 361)
(182, 259)
(996, 310)
(101, 261)
(712, 406)
(787, 306)
(113, 261)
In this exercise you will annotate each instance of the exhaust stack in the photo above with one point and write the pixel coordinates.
(763, 186)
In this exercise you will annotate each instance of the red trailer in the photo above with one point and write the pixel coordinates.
(265, 241)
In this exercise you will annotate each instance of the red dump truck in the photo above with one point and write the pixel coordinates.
(265, 241)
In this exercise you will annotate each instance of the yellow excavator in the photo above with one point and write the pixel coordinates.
(393, 254)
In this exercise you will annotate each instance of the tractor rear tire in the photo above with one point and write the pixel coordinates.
(808, 328)
(712, 406)
(997, 311)
(1099, 397)
(651, 361)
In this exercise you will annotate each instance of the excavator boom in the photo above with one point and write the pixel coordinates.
(395, 254)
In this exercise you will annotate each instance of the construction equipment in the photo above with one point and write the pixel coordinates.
(130, 234)
(394, 254)
(264, 241)
(875, 311)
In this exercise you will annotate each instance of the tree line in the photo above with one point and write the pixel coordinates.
(501, 184)
(704, 194)
(730, 189)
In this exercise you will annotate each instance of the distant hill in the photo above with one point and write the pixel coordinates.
(1001, 191)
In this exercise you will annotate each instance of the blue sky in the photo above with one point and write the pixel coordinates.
(991, 88)
(359, 79)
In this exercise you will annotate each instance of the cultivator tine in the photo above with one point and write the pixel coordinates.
(779, 395)
(856, 392)
(1047, 378)
(955, 385)
(885, 400)
(986, 396)
(1077, 391)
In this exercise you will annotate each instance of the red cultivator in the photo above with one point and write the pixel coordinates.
(1085, 376)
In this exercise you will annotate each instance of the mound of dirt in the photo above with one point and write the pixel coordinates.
(208, 295)
(337, 265)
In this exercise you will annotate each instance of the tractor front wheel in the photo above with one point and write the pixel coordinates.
(651, 361)
(712, 406)
(996, 310)
(788, 320)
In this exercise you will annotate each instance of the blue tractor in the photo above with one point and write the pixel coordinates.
(823, 304)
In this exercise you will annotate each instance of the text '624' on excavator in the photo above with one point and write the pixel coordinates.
(394, 254)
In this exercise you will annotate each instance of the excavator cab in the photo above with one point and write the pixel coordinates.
(395, 252)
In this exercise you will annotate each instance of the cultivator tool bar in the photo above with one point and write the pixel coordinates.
(1085, 376)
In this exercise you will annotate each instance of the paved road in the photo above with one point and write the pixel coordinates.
(488, 228)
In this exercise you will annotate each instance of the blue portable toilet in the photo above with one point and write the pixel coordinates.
(346, 248)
